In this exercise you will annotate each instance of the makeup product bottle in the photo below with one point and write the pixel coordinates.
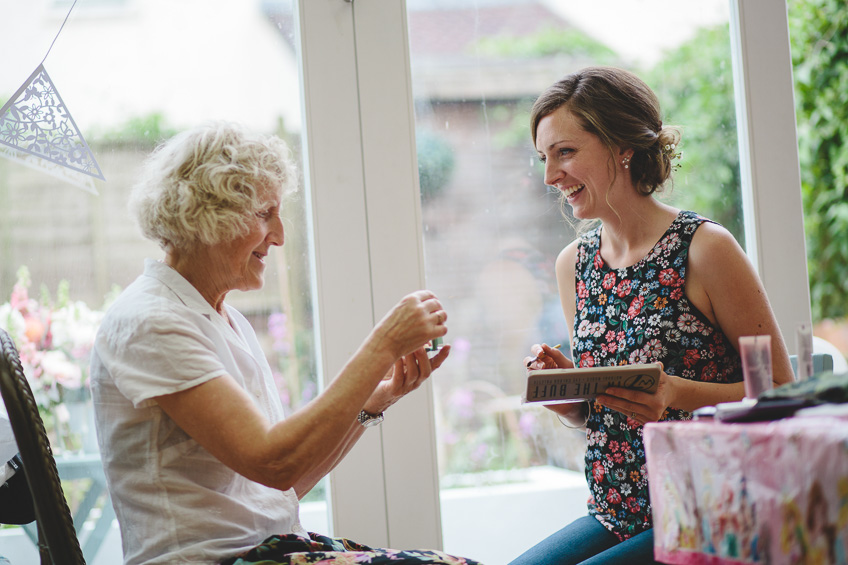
(755, 351)
(804, 347)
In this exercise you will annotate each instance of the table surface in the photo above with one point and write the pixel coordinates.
(769, 492)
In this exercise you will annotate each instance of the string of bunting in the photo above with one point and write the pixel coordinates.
(37, 130)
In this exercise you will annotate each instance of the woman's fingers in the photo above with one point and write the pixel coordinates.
(431, 304)
(415, 320)
(628, 403)
(439, 314)
(412, 368)
(546, 357)
(437, 360)
(410, 371)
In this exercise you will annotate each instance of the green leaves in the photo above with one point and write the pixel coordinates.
(694, 83)
(819, 36)
(695, 86)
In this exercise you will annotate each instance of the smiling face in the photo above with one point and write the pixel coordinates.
(577, 163)
(239, 264)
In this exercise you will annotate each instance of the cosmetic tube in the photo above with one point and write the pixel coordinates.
(804, 347)
(755, 351)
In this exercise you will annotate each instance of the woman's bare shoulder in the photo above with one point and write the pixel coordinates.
(716, 258)
(567, 258)
(714, 242)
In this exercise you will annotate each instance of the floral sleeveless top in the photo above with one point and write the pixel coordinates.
(639, 314)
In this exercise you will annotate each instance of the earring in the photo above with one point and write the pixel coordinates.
(626, 162)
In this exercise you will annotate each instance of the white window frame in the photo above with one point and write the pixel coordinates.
(366, 219)
(768, 145)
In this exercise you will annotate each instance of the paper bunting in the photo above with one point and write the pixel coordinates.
(37, 130)
(75, 178)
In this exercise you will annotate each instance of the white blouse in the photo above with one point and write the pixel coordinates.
(175, 502)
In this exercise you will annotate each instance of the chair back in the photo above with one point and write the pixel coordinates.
(822, 362)
(58, 543)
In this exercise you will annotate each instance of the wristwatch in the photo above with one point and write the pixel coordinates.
(368, 420)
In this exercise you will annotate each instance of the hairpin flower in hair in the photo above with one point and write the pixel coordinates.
(670, 151)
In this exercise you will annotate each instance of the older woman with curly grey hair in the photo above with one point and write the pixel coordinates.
(201, 464)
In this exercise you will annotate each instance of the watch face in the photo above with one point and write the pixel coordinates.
(372, 422)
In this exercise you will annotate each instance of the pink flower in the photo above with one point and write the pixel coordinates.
(527, 424)
(669, 277)
(687, 323)
(64, 371)
(278, 331)
(654, 348)
(623, 288)
(462, 401)
(635, 306)
(613, 496)
(691, 357)
(582, 291)
(638, 356)
(54, 339)
(710, 372)
(20, 297)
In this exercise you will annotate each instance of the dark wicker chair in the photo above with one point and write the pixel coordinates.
(57, 539)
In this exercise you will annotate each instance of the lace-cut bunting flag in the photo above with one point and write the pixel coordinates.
(37, 130)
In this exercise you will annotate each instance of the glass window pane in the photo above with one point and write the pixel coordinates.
(493, 230)
(131, 77)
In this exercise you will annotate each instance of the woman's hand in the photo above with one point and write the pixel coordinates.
(406, 375)
(641, 407)
(575, 413)
(546, 357)
(415, 320)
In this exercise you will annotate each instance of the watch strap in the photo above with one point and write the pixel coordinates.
(369, 420)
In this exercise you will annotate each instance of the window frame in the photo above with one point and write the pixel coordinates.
(359, 149)
(768, 145)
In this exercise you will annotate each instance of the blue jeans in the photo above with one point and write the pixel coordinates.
(587, 542)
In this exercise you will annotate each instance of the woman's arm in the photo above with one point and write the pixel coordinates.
(406, 375)
(223, 418)
(723, 285)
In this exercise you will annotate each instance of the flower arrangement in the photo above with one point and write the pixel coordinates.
(54, 340)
